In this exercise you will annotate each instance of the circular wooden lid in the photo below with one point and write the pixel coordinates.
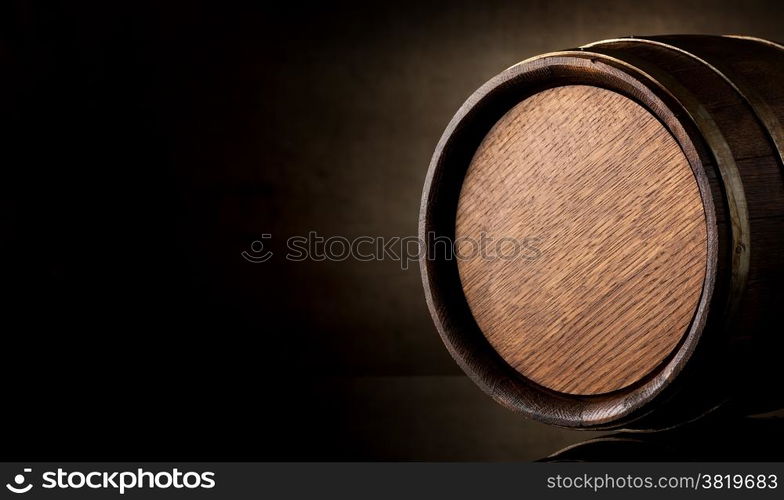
(581, 240)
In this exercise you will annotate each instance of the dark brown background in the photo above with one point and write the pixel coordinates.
(147, 146)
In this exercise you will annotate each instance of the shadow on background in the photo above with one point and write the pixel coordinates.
(716, 438)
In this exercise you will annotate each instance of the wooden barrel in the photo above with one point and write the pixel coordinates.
(605, 232)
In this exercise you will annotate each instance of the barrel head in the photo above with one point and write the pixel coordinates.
(581, 240)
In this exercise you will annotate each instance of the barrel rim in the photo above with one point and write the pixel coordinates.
(449, 309)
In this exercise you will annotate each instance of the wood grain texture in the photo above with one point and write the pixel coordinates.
(619, 227)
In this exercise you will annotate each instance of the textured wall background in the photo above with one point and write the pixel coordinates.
(149, 145)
